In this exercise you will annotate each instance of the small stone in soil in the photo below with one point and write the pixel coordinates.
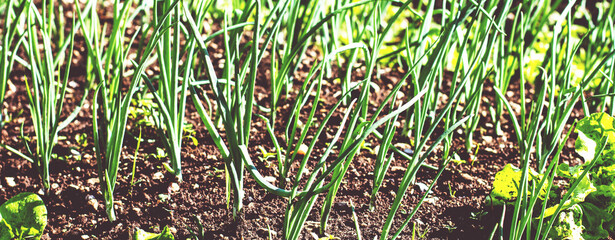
(10, 181)
(398, 168)
(163, 197)
(423, 187)
(174, 187)
(341, 204)
(93, 181)
(92, 201)
(418, 222)
(302, 149)
(402, 145)
(491, 150)
(431, 200)
(158, 176)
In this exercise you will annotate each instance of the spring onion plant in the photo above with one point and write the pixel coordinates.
(421, 140)
(46, 90)
(233, 93)
(296, 19)
(303, 194)
(529, 192)
(479, 45)
(235, 104)
(377, 41)
(605, 27)
(357, 125)
(541, 126)
(111, 99)
(421, 41)
(506, 63)
(234, 178)
(172, 82)
(11, 41)
(316, 24)
(564, 91)
(382, 161)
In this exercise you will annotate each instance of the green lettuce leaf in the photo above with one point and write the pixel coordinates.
(25, 214)
(568, 225)
(578, 195)
(593, 220)
(604, 175)
(6, 231)
(140, 234)
(570, 172)
(506, 185)
(591, 130)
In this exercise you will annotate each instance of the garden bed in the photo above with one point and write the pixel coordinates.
(456, 207)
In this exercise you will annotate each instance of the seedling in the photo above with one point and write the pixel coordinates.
(451, 192)
(478, 216)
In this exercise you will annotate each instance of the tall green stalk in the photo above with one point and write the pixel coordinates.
(111, 105)
(175, 72)
(12, 31)
(46, 90)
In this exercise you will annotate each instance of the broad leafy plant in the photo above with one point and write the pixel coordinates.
(141, 234)
(24, 216)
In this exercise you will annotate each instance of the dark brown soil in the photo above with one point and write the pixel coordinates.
(455, 210)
